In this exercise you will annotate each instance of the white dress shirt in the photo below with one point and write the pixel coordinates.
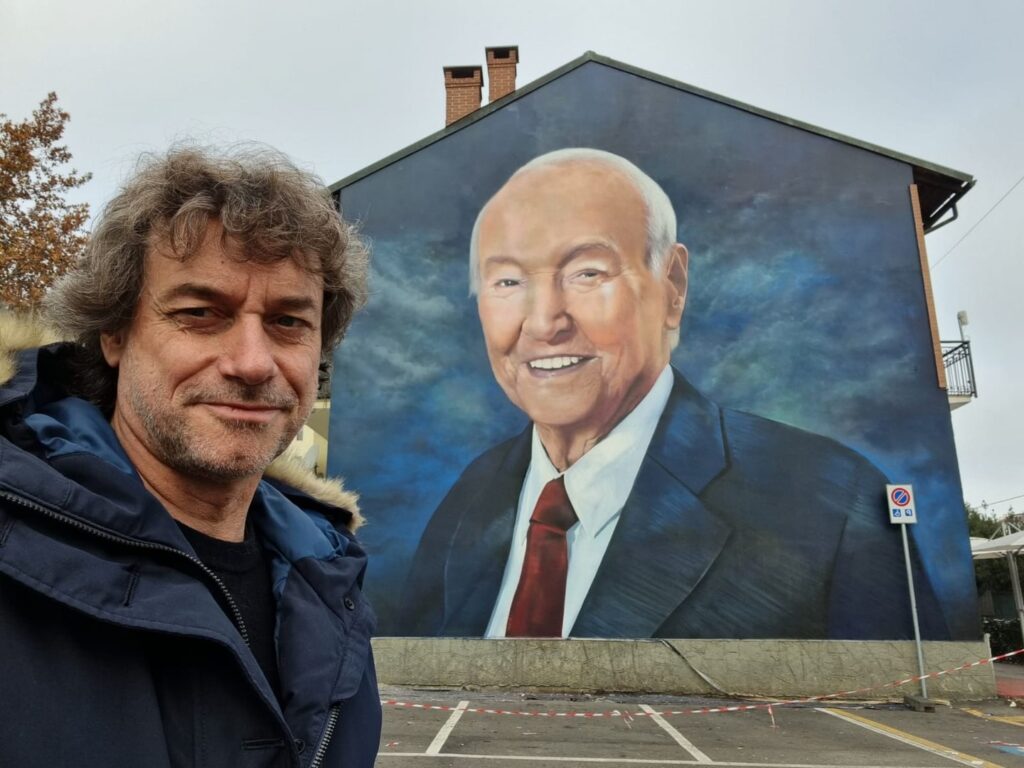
(598, 485)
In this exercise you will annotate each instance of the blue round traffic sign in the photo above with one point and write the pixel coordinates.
(900, 497)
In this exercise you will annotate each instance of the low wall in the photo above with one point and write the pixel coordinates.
(776, 668)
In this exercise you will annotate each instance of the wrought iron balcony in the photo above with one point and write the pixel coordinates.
(960, 384)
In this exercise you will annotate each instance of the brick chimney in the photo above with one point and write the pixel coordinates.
(501, 71)
(463, 87)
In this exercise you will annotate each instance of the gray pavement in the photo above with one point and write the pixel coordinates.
(627, 730)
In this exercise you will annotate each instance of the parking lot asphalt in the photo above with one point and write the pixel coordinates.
(432, 728)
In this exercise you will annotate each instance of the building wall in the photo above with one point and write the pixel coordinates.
(776, 668)
(805, 308)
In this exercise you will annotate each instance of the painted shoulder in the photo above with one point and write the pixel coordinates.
(791, 465)
(499, 466)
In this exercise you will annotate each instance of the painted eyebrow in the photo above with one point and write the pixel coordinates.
(591, 245)
(213, 295)
(574, 252)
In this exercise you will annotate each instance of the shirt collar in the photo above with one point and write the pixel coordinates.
(599, 483)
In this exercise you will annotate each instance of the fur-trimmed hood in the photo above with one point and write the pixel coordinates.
(21, 332)
(18, 332)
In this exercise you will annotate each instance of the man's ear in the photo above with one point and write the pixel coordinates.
(676, 280)
(112, 345)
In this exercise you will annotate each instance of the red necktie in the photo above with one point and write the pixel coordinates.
(539, 603)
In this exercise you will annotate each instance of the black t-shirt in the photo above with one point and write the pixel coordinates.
(245, 570)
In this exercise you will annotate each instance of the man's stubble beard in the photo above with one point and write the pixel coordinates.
(172, 442)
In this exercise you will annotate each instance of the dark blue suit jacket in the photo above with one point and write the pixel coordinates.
(737, 527)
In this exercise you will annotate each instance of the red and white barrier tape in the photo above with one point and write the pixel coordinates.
(700, 710)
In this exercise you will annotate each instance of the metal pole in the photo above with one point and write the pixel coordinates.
(1018, 601)
(913, 612)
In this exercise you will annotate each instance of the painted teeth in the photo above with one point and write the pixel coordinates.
(554, 363)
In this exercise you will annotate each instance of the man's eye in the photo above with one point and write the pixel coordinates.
(506, 282)
(189, 313)
(586, 276)
(292, 324)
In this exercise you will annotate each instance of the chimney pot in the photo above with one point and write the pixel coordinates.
(501, 71)
(463, 87)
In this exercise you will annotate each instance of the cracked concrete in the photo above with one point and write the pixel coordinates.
(776, 668)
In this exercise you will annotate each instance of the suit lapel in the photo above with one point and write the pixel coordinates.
(689, 440)
(666, 539)
(480, 545)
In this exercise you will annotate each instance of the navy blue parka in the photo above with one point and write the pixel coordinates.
(118, 647)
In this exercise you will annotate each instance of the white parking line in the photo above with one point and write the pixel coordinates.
(446, 729)
(679, 739)
(616, 760)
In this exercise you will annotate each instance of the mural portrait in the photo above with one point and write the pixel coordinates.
(638, 363)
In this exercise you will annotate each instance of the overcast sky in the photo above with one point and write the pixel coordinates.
(338, 85)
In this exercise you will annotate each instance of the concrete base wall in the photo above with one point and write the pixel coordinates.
(775, 668)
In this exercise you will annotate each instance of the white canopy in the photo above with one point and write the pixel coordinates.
(983, 549)
(1008, 546)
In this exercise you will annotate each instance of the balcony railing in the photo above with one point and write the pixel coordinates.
(956, 356)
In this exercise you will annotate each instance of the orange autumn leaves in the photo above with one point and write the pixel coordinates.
(41, 232)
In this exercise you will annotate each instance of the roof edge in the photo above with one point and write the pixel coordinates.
(805, 126)
(479, 114)
(458, 125)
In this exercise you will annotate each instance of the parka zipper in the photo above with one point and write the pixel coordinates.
(325, 739)
(53, 514)
(236, 616)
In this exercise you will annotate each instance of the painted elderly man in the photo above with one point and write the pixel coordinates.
(166, 599)
(634, 506)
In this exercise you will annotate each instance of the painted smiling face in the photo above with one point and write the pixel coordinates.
(575, 322)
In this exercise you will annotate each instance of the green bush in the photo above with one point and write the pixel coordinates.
(1004, 636)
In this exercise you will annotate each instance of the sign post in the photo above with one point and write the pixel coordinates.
(903, 512)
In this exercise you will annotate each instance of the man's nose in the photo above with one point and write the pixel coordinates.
(247, 352)
(547, 317)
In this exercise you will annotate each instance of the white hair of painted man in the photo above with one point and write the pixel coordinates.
(661, 216)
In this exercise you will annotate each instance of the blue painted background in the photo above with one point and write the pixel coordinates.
(805, 306)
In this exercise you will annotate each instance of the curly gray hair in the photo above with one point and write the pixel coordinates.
(262, 200)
